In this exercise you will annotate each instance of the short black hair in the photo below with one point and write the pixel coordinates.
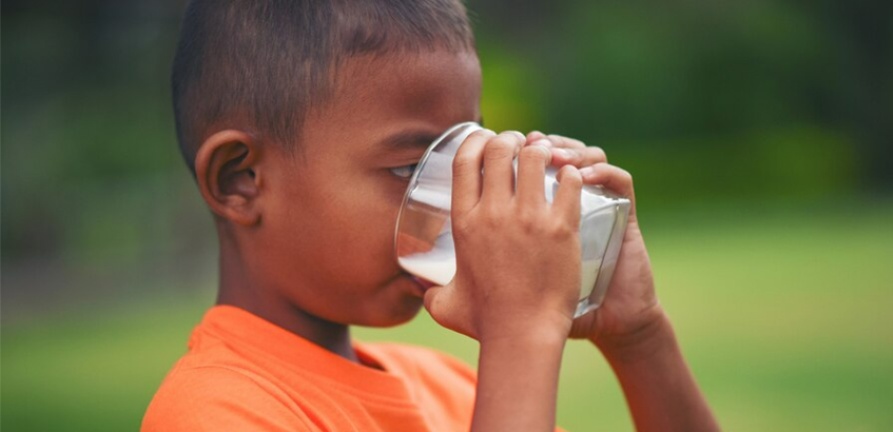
(272, 61)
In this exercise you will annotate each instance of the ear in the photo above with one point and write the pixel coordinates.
(228, 178)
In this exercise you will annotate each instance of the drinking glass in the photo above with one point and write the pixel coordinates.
(424, 239)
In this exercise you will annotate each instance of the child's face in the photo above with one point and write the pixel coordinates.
(327, 231)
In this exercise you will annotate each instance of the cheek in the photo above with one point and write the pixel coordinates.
(377, 197)
(392, 191)
(346, 226)
(363, 221)
(377, 215)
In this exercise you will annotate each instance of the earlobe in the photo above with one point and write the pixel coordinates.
(228, 177)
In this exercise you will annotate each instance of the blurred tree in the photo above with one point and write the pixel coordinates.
(866, 31)
(645, 73)
(755, 100)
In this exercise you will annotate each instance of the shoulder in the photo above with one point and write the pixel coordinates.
(442, 386)
(424, 361)
(217, 397)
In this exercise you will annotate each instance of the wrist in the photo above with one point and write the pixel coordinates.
(651, 339)
(517, 385)
(660, 390)
(543, 330)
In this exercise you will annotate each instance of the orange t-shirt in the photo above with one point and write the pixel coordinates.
(246, 374)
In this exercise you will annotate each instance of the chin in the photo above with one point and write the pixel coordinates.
(394, 314)
(394, 302)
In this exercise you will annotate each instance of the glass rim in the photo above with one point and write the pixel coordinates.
(413, 180)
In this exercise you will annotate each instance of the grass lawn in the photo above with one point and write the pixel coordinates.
(785, 321)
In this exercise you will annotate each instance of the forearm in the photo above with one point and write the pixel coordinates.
(659, 387)
(518, 384)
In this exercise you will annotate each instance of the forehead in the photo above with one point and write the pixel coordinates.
(402, 93)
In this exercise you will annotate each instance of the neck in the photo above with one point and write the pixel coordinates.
(238, 288)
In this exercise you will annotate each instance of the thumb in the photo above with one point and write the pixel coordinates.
(431, 300)
(443, 305)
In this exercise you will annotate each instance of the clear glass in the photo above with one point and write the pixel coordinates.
(424, 239)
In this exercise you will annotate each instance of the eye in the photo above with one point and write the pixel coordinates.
(404, 172)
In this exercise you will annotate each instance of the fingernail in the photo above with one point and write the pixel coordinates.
(587, 171)
(519, 135)
(564, 153)
(543, 143)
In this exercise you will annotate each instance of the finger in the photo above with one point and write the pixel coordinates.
(565, 142)
(531, 189)
(432, 300)
(612, 178)
(441, 304)
(536, 136)
(567, 197)
(569, 151)
(578, 157)
(467, 171)
(499, 173)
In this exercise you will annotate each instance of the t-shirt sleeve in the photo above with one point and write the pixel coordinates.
(220, 399)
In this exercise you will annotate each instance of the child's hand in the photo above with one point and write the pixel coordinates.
(630, 308)
(517, 282)
(518, 257)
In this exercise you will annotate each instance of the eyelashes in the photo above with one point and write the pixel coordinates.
(404, 172)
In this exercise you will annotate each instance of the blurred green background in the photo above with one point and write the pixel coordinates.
(760, 134)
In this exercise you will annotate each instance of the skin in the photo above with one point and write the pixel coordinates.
(306, 236)
(306, 242)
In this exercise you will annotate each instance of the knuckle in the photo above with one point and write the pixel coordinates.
(480, 133)
(573, 156)
(513, 137)
(499, 147)
(484, 217)
(563, 229)
(528, 221)
(462, 162)
(533, 154)
(571, 177)
(516, 135)
(462, 229)
(489, 222)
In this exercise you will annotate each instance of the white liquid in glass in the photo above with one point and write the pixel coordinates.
(439, 264)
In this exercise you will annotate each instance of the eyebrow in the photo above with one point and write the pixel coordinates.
(410, 140)
(414, 139)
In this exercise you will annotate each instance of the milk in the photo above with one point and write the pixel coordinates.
(431, 267)
(439, 266)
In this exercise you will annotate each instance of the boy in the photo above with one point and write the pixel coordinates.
(301, 121)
